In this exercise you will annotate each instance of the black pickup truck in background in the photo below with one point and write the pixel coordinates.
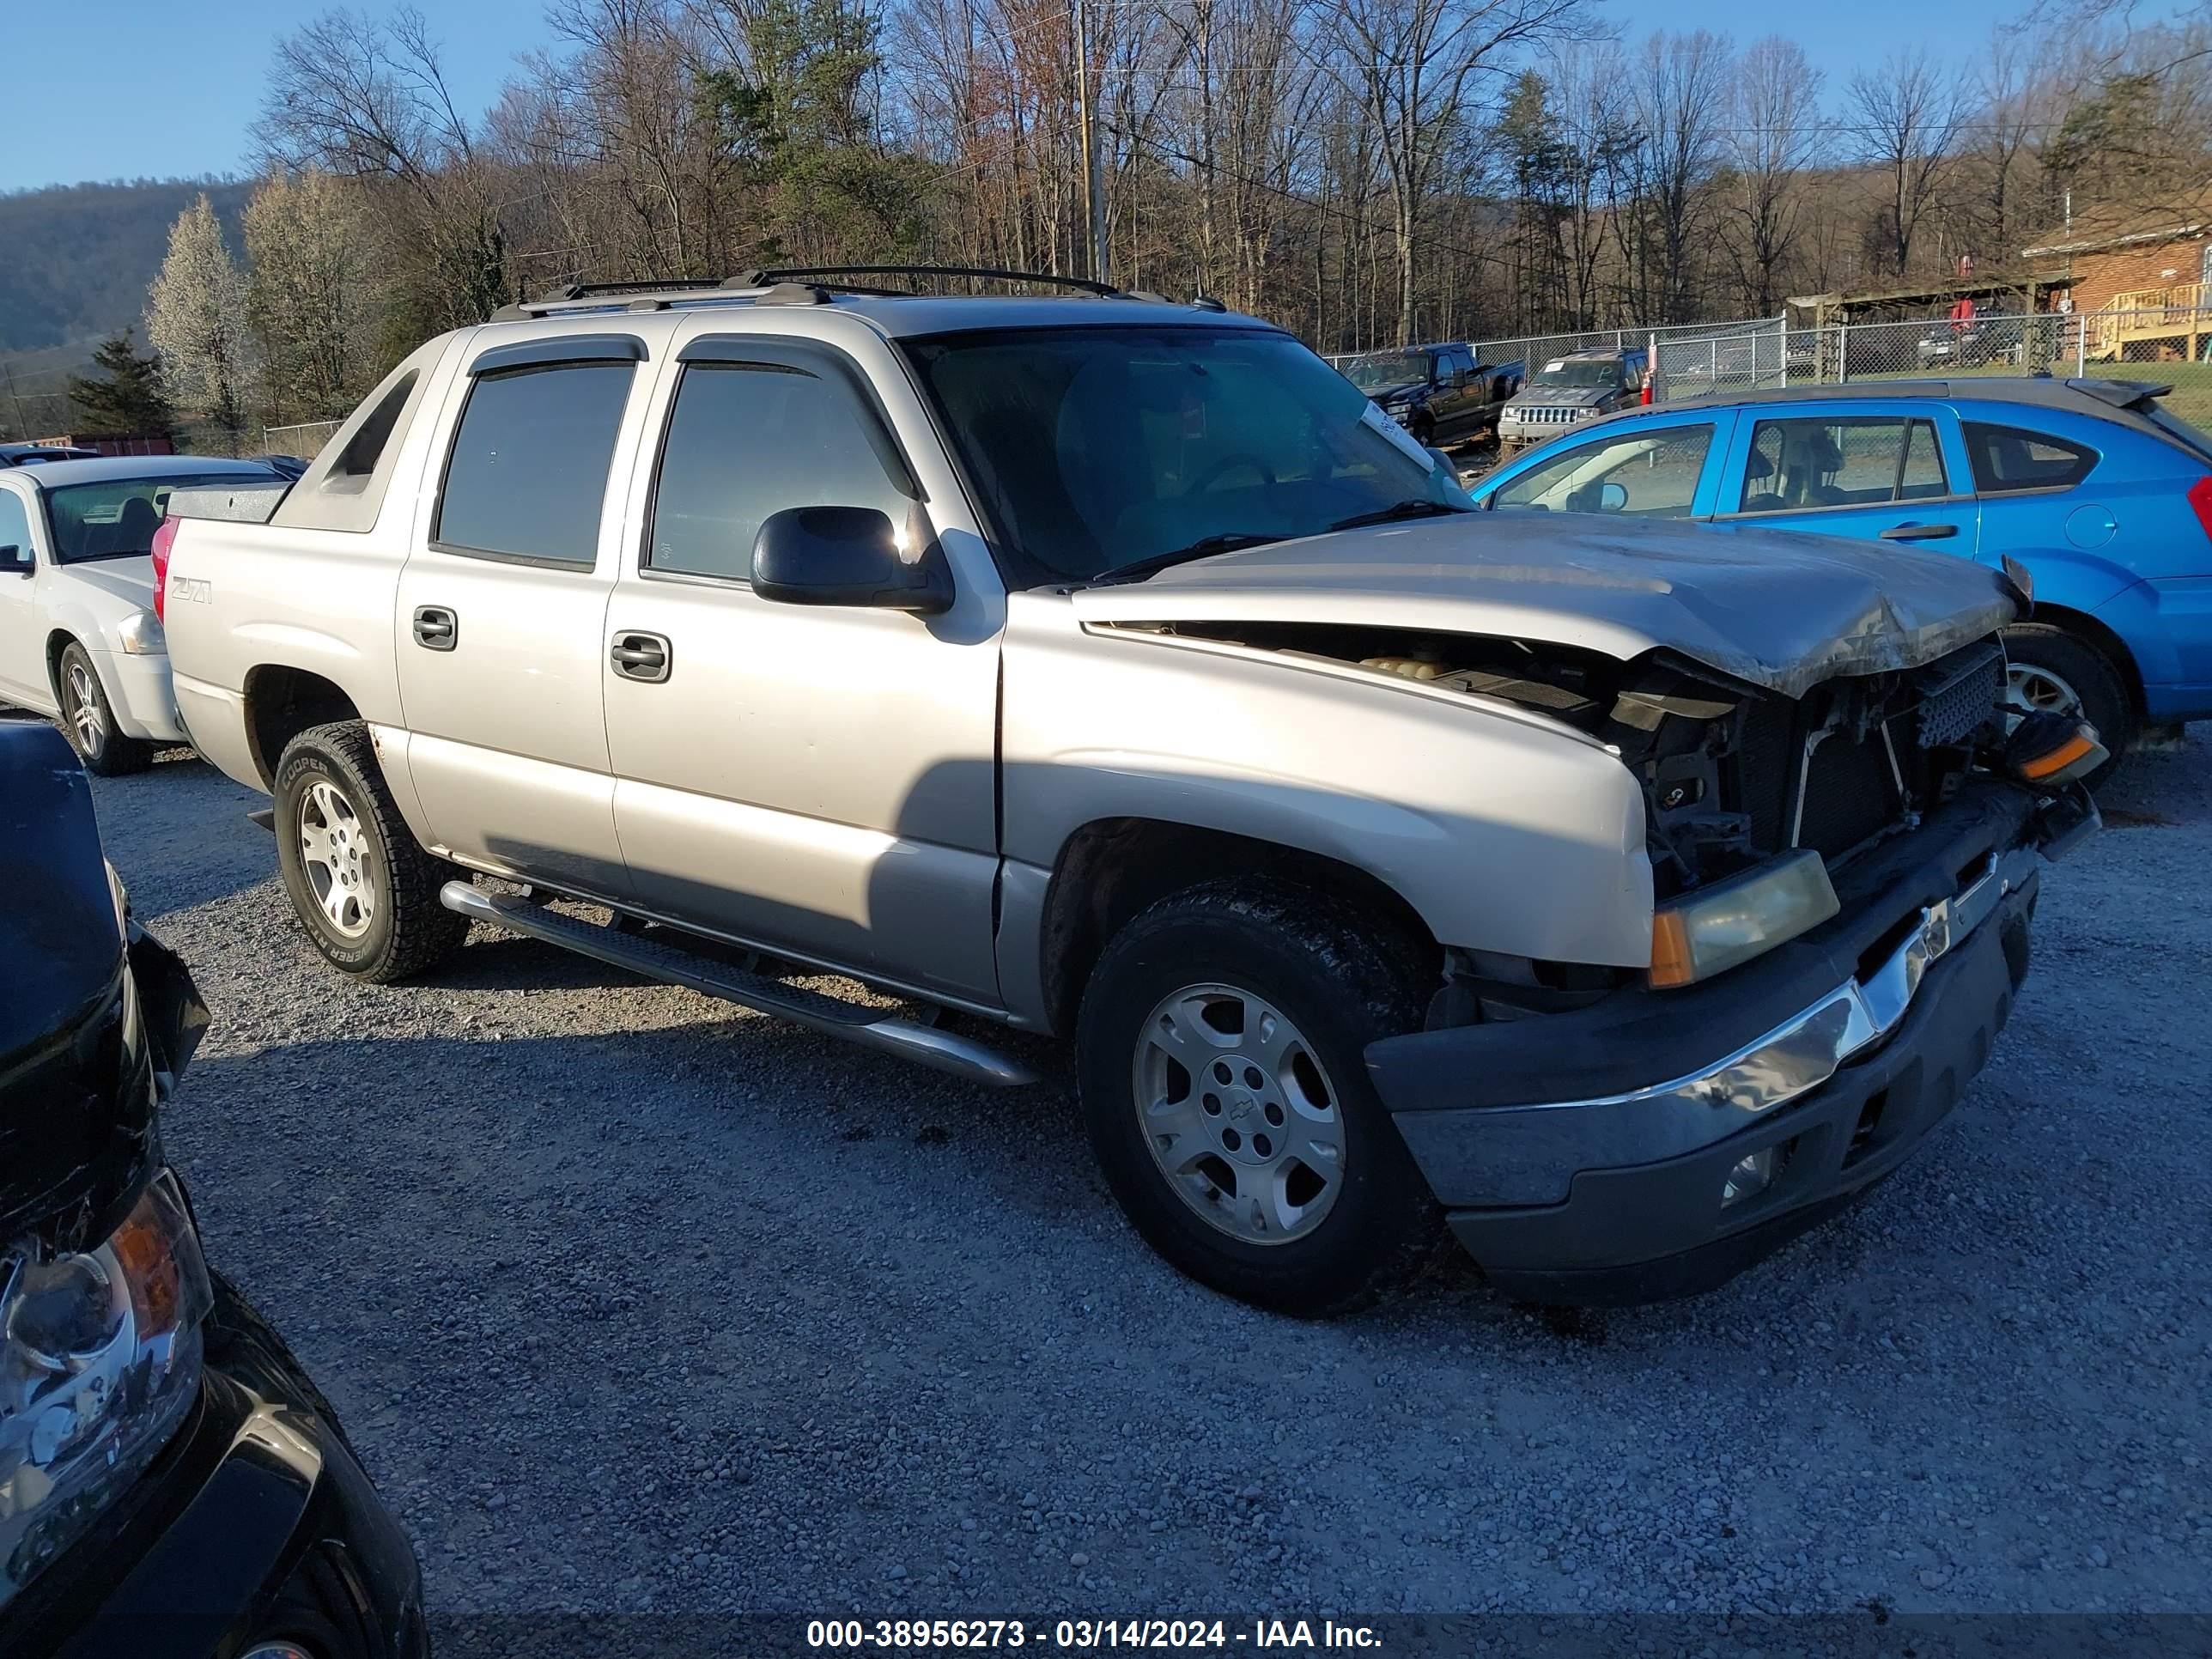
(1439, 393)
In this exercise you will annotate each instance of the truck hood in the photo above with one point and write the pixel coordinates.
(1571, 396)
(130, 580)
(1773, 608)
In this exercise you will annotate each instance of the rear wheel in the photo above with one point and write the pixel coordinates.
(88, 719)
(2048, 668)
(1221, 1054)
(362, 886)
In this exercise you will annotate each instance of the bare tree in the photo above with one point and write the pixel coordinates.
(196, 318)
(1775, 135)
(1908, 114)
(1408, 65)
(2014, 100)
(1596, 134)
(1680, 93)
(369, 100)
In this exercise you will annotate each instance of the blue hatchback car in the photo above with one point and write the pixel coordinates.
(2101, 494)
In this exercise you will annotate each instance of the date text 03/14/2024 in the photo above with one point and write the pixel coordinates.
(1080, 1635)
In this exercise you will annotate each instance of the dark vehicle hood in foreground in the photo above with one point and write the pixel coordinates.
(1773, 607)
(77, 1096)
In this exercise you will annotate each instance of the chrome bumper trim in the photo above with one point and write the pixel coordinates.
(1805, 1050)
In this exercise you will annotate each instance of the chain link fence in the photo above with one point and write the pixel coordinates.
(1692, 358)
(305, 440)
(2164, 345)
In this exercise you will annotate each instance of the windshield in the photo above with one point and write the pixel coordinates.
(1392, 368)
(1095, 448)
(1565, 371)
(116, 518)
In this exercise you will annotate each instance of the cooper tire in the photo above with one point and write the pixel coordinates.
(1306, 959)
(88, 719)
(2044, 660)
(363, 888)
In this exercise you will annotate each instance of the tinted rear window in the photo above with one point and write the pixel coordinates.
(2009, 457)
(116, 518)
(529, 467)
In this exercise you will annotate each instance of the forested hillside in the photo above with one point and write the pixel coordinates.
(80, 256)
(78, 260)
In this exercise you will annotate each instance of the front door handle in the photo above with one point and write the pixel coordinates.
(436, 629)
(641, 657)
(1919, 532)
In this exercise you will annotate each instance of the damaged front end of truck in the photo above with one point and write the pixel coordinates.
(1843, 827)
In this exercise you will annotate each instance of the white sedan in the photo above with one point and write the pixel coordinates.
(79, 640)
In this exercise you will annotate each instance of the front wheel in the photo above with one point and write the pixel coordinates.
(1220, 1051)
(2048, 668)
(88, 719)
(361, 884)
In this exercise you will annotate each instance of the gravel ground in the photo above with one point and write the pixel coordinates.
(632, 1304)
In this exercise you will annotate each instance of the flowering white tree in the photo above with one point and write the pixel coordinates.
(196, 318)
(309, 295)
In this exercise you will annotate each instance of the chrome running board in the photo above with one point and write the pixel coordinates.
(672, 964)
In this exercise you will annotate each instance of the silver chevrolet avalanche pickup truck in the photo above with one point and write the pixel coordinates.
(1623, 898)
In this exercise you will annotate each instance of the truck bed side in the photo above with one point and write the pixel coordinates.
(297, 612)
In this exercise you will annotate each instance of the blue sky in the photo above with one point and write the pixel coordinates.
(156, 88)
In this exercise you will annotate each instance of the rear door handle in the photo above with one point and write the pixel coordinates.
(436, 629)
(641, 657)
(1919, 532)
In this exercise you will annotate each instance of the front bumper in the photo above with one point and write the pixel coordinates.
(1840, 1051)
(256, 1524)
(1514, 427)
(141, 693)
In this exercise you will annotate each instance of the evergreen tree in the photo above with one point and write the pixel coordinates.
(131, 401)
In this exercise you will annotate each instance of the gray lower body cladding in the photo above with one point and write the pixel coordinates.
(1606, 1190)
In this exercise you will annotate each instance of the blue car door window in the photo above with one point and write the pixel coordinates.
(1643, 472)
(2008, 458)
(1920, 472)
(1796, 465)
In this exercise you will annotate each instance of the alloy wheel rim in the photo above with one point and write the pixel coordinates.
(336, 855)
(1239, 1114)
(2031, 690)
(84, 716)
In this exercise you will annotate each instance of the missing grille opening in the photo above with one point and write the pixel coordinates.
(1869, 1122)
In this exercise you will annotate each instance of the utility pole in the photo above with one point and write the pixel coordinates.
(23, 424)
(1094, 194)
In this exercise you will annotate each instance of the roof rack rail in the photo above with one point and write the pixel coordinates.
(792, 285)
(803, 273)
(586, 292)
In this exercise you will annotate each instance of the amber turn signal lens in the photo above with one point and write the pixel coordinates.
(2056, 760)
(1671, 964)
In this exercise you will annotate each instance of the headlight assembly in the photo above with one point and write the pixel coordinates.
(100, 1359)
(1731, 921)
(140, 635)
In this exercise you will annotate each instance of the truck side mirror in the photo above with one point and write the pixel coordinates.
(16, 561)
(846, 555)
